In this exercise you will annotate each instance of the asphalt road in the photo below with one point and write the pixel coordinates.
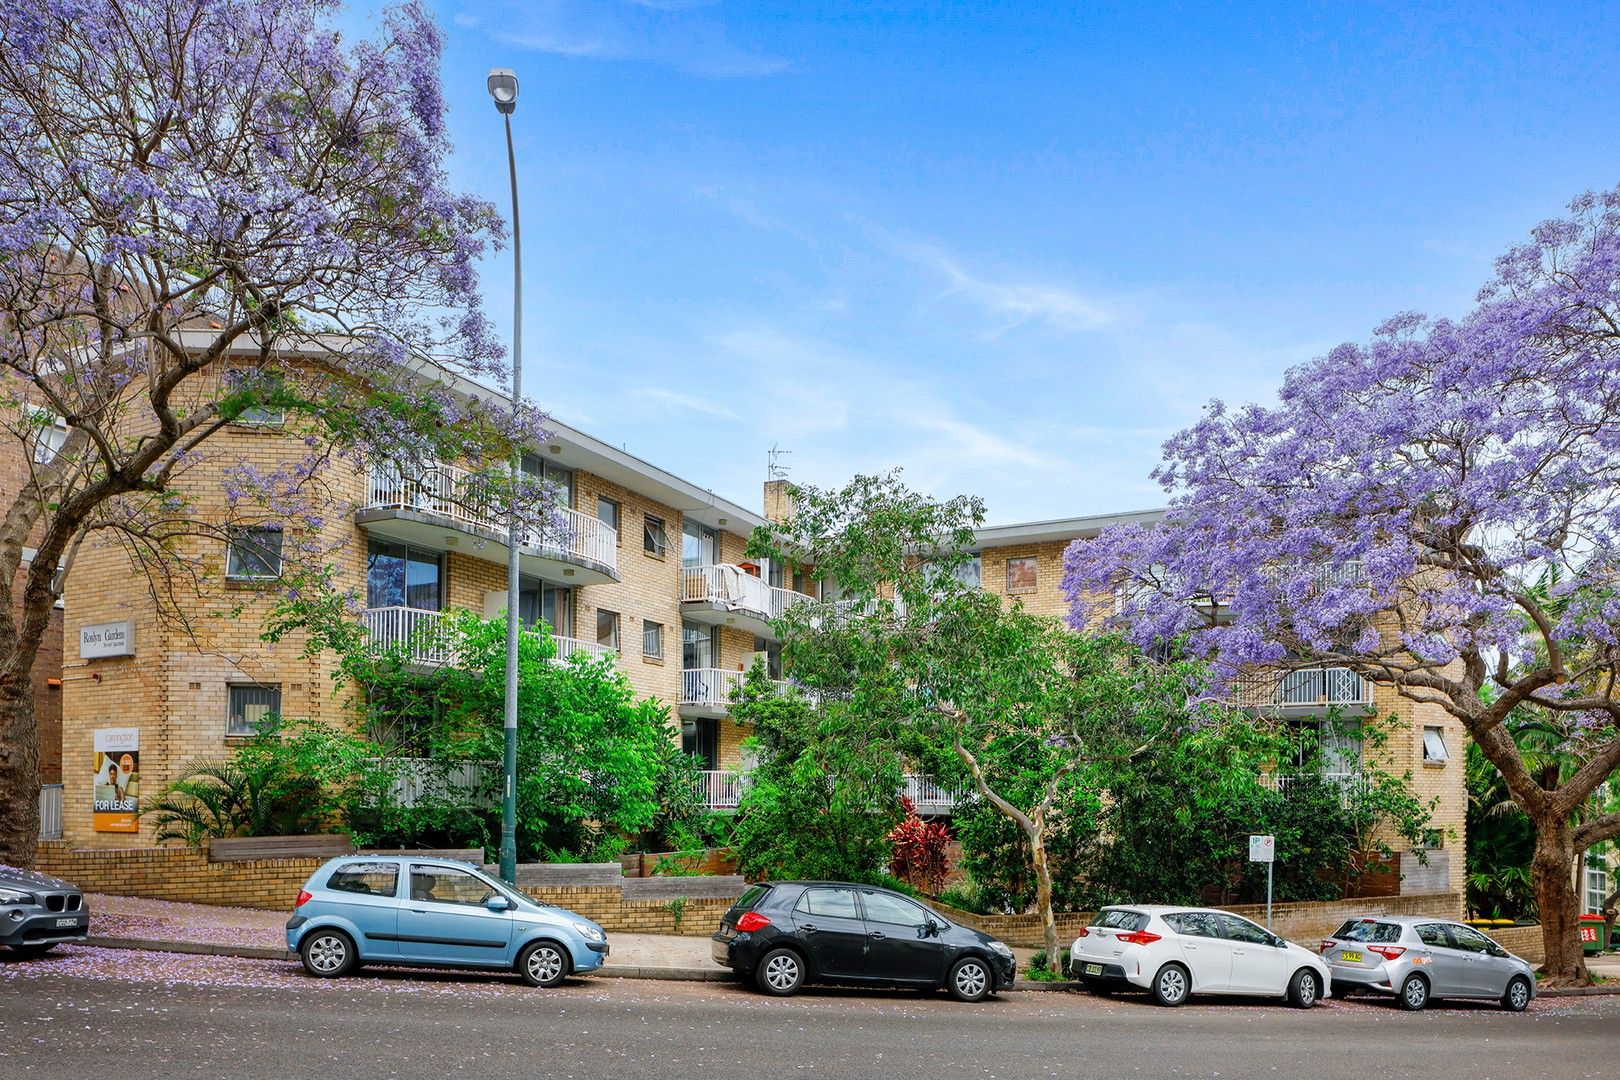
(96, 1012)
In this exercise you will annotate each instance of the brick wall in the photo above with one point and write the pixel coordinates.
(1522, 941)
(178, 873)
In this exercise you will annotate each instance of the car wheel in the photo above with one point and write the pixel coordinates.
(970, 979)
(1171, 985)
(327, 953)
(1097, 986)
(781, 972)
(1517, 996)
(1414, 993)
(32, 951)
(543, 964)
(1304, 989)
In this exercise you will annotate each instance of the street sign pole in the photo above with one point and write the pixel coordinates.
(1264, 849)
(1268, 895)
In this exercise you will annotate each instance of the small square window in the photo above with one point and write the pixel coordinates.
(51, 432)
(607, 512)
(652, 640)
(607, 628)
(1021, 575)
(255, 553)
(250, 705)
(1434, 745)
(262, 384)
(654, 540)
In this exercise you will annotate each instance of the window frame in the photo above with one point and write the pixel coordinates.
(654, 536)
(235, 535)
(267, 418)
(435, 870)
(1034, 565)
(618, 517)
(615, 617)
(657, 632)
(248, 728)
(1429, 756)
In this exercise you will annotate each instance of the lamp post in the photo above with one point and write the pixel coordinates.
(503, 87)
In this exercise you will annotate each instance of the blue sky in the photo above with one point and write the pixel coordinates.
(1009, 247)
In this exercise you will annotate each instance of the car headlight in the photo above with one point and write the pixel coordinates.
(590, 931)
(15, 896)
(1002, 949)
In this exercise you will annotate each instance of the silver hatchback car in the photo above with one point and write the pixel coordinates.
(1419, 959)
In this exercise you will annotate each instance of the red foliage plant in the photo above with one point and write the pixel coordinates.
(919, 850)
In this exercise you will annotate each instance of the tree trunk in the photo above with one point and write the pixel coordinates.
(1043, 897)
(1552, 868)
(19, 770)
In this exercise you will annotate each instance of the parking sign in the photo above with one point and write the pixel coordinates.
(1262, 848)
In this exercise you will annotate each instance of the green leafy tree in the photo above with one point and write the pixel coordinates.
(825, 791)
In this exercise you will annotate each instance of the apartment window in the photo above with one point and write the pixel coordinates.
(261, 384)
(250, 705)
(1597, 889)
(654, 540)
(607, 628)
(538, 468)
(52, 433)
(401, 576)
(1434, 745)
(539, 601)
(700, 545)
(255, 553)
(652, 640)
(607, 512)
(700, 646)
(1021, 575)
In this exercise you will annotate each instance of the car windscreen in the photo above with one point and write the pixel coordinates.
(748, 899)
(1369, 931)
(1120, 919)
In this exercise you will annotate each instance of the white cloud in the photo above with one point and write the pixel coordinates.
(689, 402)
(1015, 303)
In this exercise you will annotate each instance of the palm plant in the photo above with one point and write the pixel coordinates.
(214, 799)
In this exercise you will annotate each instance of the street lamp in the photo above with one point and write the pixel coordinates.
(503, 87)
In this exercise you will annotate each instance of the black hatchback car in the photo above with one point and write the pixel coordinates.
(784, 934)
(38, 911)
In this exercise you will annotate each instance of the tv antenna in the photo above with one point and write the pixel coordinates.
(775, 469)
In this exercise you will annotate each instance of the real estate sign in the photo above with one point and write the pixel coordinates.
(116, 785)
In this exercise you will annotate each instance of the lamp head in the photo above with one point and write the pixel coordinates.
(503, 87)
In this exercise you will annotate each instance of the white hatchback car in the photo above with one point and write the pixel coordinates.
(1174, 952)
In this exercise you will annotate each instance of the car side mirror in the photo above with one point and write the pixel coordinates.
(498, 903)
(934, 928)
(1278, 942)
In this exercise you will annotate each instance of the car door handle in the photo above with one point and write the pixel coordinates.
(418, 911)
(877, 935)
(1190, 948)
(807, 928)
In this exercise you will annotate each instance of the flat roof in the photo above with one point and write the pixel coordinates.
(1059, 529)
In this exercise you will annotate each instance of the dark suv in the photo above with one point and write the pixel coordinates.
(784, 934)
(37, 911)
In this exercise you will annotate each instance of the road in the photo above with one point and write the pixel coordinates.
(102, 1012)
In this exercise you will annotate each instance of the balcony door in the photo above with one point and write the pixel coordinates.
(701, 738)
(401, 576)
(700, 646)
(541, 601)
(563, 479)
(700, 545)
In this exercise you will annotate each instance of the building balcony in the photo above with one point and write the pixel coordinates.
(728, 595)
(1349, 784)
(443, 509)
(722, 789)
(1308, 692)
(422, 634)
(707, 691)
(930, 799)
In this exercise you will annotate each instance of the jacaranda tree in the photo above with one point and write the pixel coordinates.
(1438, 509)
(210, 211)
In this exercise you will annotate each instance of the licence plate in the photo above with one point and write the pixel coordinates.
(1350, 957)
(67, 922)
(1093, 969)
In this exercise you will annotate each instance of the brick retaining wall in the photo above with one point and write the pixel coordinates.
(1523, 941)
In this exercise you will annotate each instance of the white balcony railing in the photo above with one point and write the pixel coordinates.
(1349, 784)
(1309, 688)
(568, 646)
(453, 492)
(859, 609)
(735, 589)
(720, 789)
(929, 797)
(712, 687)
(413, 781)
(50, 812)
(420, 632)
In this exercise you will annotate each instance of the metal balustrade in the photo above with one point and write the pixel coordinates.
(50, 812)
(712, 687)
(720, 789)
(423, 634)
(413, 781)
(735, 589)
(455, 493)
(1349, 784)
(1308, 688)
(929, 797)
(568, 646)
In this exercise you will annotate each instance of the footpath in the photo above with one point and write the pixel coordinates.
(124, 922)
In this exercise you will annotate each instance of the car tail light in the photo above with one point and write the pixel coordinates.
(752, 921)
(1388, 952)
(1327, 943)
(304, 897)
(1083, 932)
(1140, 937)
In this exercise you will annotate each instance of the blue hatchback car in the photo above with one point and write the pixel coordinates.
(386, 909)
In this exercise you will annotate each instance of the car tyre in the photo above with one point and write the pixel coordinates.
(1414, 993)
(327, 953)
(970, 979)
(1172, 985)
(543, 964)
(32, 950)
(1516, 998)
(1304, 989)
(780, 972)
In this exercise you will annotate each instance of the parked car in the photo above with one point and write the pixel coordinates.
(1175, 952)
(39, 912)
(1418, 959)
(374, 909)
(784, 934)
